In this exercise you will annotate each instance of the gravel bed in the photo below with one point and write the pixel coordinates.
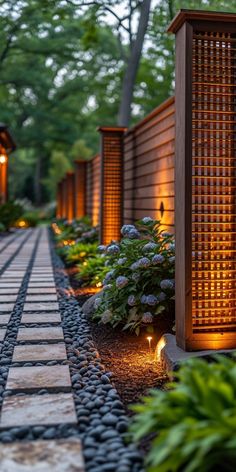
(102, 422)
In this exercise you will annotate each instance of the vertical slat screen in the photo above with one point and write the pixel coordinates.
(80, 188)
(112, 184)
(59, 200)
(70, 196)
(96, 185)
(213, 182)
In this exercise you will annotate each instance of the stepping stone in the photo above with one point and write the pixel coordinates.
(8, 298)
(40, 318)
(5, 307)
(41, 284)
(2, 334)
(29, 410)
(47, 306)
(31, 379)
(40, 334)
(40, 298)
(40, 290)
(39, 352)
(60, 455)
(6, 291)
(4, 319)
(10, 285)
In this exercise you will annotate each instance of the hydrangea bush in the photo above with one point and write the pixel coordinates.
(140, 284)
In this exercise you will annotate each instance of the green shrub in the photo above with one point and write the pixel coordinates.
(92, 271)
(80, 252)
(140, 283)
(9, 214)
(78, 230)
(32, 218)
(2, 228)
(194, 422)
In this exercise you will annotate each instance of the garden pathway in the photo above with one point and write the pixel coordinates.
(54, 392)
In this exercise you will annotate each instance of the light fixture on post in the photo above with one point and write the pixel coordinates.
(205, 181)
(7, 145)
(111, 215)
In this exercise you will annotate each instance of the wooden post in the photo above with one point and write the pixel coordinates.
(64, 197)
(80, 188)
(70, 196)
(205, 182)
(59, 200)
(111, 215)
(3, 178)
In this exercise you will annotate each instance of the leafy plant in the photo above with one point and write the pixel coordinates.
(9, 214)
(194, 422)
(80, 252)
(92, 271)
(140, 285)
(79, 231)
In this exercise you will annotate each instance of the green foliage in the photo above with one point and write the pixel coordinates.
(140, 285)
(32, 218)
(2, 228)
(80, 252)
(9, 214)
(194, 422)
(78, 230)
(92, 271)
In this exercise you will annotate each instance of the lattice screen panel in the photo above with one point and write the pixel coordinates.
(112, 184)
(213, 182)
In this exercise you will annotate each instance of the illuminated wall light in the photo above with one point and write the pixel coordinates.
(205, 204)
(70, 196)
(80, 188)
(111, 216)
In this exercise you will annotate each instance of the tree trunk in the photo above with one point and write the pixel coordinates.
(132, 66)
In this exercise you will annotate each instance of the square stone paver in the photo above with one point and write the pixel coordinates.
(34, 290)
(40, 334)
(47, 306)
(6, 307)
(56, 377)
(39, 352)
(28, 410)
(40, 298)
(4, 319)
(2, 334)
(8, 298)
(60, 455)
(40, 318)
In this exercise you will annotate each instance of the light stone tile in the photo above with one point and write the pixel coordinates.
(10, 284)
(39, 352)
(6, 307)
(41, 284)
(40, 318)
(4, 319)
(34, 290)
(40, 298)
(8, 298)
(9, 291)
(2, 334)
(60, 455)
(47, 306)
(31, 379)
(28, 410)
(40, 334)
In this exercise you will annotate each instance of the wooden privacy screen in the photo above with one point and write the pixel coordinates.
(111, 215)
(149, 167)
(93, 173)
(70, 196)
(80, 188)
(59, 200)
(205, 180)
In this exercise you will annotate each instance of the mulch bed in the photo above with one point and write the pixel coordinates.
(134, 366)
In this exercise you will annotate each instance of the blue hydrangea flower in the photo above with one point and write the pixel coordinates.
(147, 317)
(133, 234)
(158, 259)
(101, 248)
(126, 229)
(171, 246)
(113, 249)
(134, 266)
(144, 262)
(147, 219)
(108, 276)
(135, 276)
(106, 316)
(167, 284)
(151, 300)
(121, 281)
(172, 259)
(131, 300)
(143, 299)
(161, 296)
(149, 247)
(122, 260)
(107, 287)
(97, 302)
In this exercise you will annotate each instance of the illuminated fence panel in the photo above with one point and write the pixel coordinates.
(112, 184)
(70, 196)
(64, 197)
(80, 188)
(93, 204)
(205, 182)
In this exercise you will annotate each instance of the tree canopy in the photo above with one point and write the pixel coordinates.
(63, 64)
